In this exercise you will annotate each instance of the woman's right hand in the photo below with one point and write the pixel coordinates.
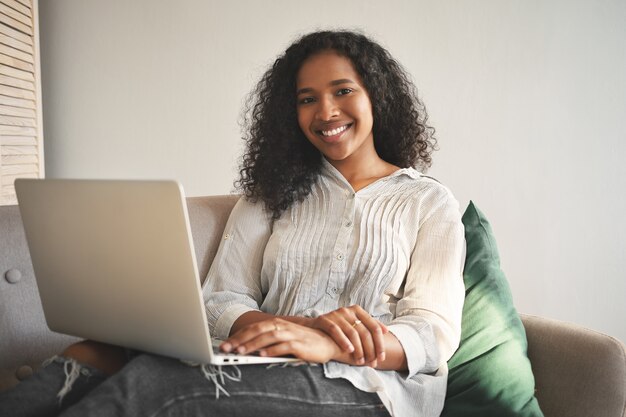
(278, 337)
(355, 331)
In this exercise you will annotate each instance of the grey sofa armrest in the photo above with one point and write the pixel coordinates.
(578, 372)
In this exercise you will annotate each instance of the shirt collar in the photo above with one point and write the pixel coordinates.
(334, 172)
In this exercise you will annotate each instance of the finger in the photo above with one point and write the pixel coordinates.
(264, 340)
(289, 347)
(367, 342)
(349, 328)
(311, 345)
(375, 330)
(250, 332)
(346, 319)
(336, 332)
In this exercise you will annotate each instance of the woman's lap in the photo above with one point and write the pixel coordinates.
(157, 386)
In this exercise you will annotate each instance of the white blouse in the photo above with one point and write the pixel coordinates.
(395, 247)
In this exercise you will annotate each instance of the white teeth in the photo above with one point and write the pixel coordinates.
(334, 131)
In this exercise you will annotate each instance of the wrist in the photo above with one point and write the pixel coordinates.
(302, 321)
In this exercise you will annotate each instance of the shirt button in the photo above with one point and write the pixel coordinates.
(339, 256)
(226, 236)
(348, 223)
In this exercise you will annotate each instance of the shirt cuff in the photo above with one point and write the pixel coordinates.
(413, 346)
(227, 319)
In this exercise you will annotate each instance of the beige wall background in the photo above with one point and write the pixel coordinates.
(528, 98)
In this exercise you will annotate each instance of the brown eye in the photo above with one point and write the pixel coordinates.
(306, 100)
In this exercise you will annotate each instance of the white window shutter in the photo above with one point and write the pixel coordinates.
(21, 130)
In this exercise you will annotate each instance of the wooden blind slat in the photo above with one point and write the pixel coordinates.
(20, 169)
(16, 63)
(15, 15)
(10, 179)
(7, 140)
(16, 53)
(17, 112)
(17, 92)
(8, 195)
(19, 150)
(19, 7)
(27, 3)
(17, 130)
(12, 22)
(14, 43)
(16, 73)
(17, 83)
(19, 159)
(17, 102)
(15, 24)
(17, 121)
(16, 34)
(8, 190)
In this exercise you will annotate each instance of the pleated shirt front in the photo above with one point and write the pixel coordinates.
(395, 247)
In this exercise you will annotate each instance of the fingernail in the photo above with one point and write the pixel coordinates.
(262, 353)
(241, 349)
(360, 361)
(382, 356)
(350, 348)
(226, 347)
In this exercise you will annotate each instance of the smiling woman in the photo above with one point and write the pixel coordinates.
(289, 103)
(335, 115)
(340, 254)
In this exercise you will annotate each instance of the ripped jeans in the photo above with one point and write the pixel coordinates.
(152, 385)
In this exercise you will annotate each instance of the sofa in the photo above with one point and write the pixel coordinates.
(578, 372)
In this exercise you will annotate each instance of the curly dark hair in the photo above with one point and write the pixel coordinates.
(280, 165)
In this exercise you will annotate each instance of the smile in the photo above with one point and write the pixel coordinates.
(336, 131)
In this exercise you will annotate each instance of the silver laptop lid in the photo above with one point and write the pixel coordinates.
(114, 262)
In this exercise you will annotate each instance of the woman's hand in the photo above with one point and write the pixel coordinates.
(356, 332)
(278, 337)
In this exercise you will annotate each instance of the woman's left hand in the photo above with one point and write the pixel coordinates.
(356, 331)
(278, 337)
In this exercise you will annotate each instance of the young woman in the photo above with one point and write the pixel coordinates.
(340, 253)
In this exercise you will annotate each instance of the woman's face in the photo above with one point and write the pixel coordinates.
(334, 109)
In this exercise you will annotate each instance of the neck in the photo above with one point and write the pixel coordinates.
(360, 172)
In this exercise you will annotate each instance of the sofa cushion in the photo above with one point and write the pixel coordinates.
(490, 374)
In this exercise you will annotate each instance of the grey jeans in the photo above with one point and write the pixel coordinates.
(152, 385)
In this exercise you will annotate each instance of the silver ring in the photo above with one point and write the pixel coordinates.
(356, 323)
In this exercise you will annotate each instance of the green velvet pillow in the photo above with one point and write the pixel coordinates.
(490, 374)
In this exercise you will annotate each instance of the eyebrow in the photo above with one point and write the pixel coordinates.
(332, 83)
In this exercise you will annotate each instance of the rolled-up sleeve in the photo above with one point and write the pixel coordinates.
(233, 284)
(428, 315)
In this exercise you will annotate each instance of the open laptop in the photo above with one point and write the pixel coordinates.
(114, 262)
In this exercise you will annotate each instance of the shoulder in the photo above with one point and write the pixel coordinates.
(250, 210)
(420, 186)
(428, 194)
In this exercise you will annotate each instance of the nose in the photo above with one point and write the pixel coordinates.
(327, 109)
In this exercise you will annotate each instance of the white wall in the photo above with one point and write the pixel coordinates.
(528, 98)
